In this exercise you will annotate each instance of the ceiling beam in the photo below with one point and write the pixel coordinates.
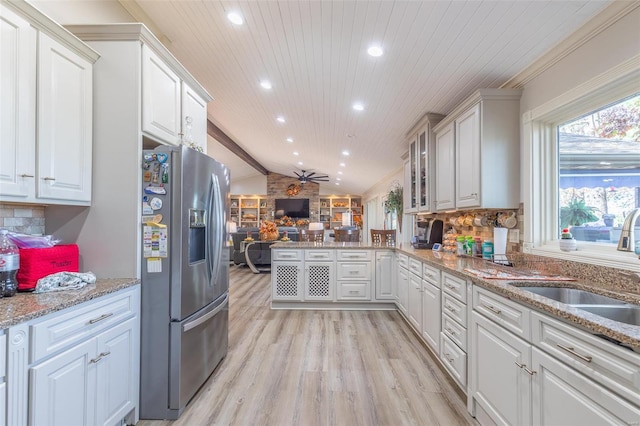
(219, 135)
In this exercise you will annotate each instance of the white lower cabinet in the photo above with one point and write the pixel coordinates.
(497, 383)
(562, 396)
(431, 315)
(402, 289)
(80, 365)
(414, 304)
(554, 375)
(385, 278)
(319, 281)
(286, 281)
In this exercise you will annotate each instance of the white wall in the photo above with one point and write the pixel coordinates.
(70, 12)
(254, 185)
(377, 194)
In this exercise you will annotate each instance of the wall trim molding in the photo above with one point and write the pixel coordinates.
(606, 18)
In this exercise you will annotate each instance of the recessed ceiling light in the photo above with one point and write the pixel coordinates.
(266, 84)
(358, 106)
(337, 183)
(343, 165)
(299, 163)
(345, 153)
(339, 173)
(290, 140)
(296, 153)
(235, 18)
(280, 119)
(338, 179)
(375, 51)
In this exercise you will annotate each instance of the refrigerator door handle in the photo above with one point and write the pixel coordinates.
(216, 215)
(206, 317)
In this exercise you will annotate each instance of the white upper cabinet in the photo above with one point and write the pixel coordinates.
(445, 168)
(194, 117)
(419, 182)
(46, 157)
(161, 92)
(486, 135)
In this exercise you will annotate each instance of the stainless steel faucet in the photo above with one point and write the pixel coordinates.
(627, 240)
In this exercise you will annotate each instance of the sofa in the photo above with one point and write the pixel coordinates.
(263, 253)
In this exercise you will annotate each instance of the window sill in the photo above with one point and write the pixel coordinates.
(591, 253)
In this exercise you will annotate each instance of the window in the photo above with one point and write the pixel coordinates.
(599, 171)
(545, 169)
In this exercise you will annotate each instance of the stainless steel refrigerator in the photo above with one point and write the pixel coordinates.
(185, 277)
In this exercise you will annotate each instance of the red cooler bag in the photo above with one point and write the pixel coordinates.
(36, 263)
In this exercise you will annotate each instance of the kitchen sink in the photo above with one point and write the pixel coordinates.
(606, 307)
(573, 296)
(628, 314)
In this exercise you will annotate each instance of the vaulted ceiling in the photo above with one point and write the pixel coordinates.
(314, 53)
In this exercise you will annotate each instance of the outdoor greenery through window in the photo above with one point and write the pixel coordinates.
(599, 171)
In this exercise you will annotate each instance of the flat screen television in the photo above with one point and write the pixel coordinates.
(292, 207)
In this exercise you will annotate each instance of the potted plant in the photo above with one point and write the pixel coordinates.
(576, 213)
(394, 203)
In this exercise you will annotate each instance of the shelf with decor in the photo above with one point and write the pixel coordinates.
(248, 211)
(333, 207)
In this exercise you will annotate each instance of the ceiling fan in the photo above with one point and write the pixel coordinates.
(311, 177)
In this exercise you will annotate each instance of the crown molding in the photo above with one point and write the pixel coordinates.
(582, 35)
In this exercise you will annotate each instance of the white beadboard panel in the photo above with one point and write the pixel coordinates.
(314, 53)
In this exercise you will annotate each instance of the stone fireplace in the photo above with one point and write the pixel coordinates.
(277, 186)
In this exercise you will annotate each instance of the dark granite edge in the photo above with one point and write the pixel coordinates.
(25, 307)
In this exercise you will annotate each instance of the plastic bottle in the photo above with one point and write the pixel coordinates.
(470, 245)
(477, 248)
(460, 241)
(9, 265)
(487, 250)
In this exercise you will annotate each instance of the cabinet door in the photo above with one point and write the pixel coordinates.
(414, 184)
(497, 381)
(194, 108)
(406, 195)
(17, 103)
(445, 169)
(402, 289)
(117, 372)
(286, 281)
(319, 281)
(65, 82)
(564, 396)
(385, 277)
(424, 193)
(63, 389)
(431, 315)
(160, 98)
(468, 158)
(414, 302)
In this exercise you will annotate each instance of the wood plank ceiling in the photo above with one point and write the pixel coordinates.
(436, 53)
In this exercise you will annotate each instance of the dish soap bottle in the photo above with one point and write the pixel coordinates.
(567, 242)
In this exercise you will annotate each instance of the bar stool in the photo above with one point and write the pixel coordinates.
(346, 235)
(383, 237)
(312, 235)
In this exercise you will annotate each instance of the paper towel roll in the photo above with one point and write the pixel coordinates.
(500, 244)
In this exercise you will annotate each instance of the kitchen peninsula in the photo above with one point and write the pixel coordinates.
(490, 335)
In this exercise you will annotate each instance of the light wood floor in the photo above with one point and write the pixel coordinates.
(320, 368)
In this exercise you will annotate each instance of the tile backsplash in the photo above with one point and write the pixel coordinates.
(23, 218)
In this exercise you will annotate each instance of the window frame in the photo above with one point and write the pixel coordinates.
(540, 165)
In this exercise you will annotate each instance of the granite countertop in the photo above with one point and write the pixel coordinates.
(27, 306)
(626, 334)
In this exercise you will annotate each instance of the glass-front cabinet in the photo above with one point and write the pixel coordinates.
(420, 166)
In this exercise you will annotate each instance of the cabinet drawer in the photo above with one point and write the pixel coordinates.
(354, 270)
(415, 266)
(454, 360)
(70, 326)
(354, 290)
(612, 366)
(454, 331)
(403, 260)
(454, 308)
(318, 254)
(431, 274)
(457, 287)
(286, 254)
(512, 316)
(354, 255)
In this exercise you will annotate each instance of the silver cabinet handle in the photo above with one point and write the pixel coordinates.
(100, 318)
(49, 178)
(492, 309)
(453, 333)
(24, 175)
(353, 292)
(102, 355)
(451, 308)
(446, 356)
(452, 287)
(353, 272)
(524, 367)
(573, 352)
